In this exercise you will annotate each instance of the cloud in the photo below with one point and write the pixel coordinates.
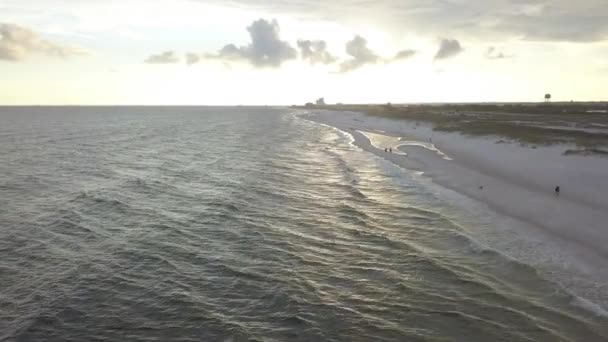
(448, 48)
(491, 20)
(404, 54)
(315, 52)
(167, 57)
(360, 53)
(265, 50)
(18, 42)
(192, 58)
(230, 52)
(494, 53)
(555, 20)
(578, 21)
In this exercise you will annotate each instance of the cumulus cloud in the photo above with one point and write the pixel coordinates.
(404, 54)
(167, 57)
(493, 53)
(448, 48)
(18, 42)
(230, 52)
(265, 50)
(315, 52)
(361, 54)
(192, 58)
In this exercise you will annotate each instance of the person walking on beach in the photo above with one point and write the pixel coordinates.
(557, 191)
(390, 150)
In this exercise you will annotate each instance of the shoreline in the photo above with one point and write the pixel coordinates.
(514, 181)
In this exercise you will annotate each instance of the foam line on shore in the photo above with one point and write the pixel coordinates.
(571, 226)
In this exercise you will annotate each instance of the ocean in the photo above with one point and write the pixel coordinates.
(244, 224)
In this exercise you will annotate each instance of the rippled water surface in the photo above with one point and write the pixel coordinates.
(242, 224)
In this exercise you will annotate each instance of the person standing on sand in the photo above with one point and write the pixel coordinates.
(557, 190)
(390, 150)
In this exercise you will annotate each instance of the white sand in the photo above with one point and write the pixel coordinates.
(517, 181)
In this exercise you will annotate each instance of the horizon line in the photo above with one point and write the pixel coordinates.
(303, 105)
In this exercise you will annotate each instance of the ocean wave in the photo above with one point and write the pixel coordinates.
(250, 224)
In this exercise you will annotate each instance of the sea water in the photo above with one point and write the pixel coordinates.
(243, 224)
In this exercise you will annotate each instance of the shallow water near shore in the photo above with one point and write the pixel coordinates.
(215, 224)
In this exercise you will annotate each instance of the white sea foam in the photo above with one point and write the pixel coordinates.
(590, 306)
(516, 183)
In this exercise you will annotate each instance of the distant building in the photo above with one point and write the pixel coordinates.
(321, 102)
(309, 104)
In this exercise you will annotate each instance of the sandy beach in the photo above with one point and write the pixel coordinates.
(513, 180)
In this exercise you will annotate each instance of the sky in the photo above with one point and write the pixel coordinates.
(283, 52)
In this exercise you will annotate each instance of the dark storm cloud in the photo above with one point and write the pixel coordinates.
(167, 57)
(361, 55)
(448, 48)
(18, 42)
(315, 52)
(265, 50)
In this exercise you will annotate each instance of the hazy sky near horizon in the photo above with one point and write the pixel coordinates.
(292, 51)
